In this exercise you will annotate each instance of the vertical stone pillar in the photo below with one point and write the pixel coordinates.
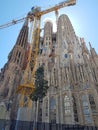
(57, 110)
(80, 113)
(61, 108)
(72, 112)
(87, 94)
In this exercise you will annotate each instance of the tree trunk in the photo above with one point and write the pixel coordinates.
(35, 106)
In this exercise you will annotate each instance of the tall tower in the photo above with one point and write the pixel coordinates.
(72, 74)
(11, 73)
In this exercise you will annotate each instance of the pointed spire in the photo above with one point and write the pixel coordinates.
(82, 40)
(90, 45)
(84, 48)
(22, 42)
(92, 50)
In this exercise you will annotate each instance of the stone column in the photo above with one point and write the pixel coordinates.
(80, 114)
(72, 113)
(57, 110)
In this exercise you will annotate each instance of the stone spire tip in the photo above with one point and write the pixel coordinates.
(90, 45)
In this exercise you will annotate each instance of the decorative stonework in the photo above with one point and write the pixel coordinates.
(72, 74)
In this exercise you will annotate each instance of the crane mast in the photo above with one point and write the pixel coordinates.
(27, 87)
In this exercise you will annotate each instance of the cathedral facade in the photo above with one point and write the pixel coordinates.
(70, 69)
(72, 73)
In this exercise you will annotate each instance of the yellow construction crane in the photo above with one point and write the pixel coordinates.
(40, 13)
(27, 87)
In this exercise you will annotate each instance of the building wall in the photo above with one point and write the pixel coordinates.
(70, 70)
(11, 74)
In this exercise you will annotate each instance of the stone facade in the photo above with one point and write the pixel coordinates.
(11, 74)
(72, 74)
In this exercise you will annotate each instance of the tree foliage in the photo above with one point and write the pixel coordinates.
(41, 85)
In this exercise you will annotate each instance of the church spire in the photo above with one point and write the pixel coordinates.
(15, 63)
(17, 53)
(22, 38)
(84, 48)
(90, 45)
(92, 50)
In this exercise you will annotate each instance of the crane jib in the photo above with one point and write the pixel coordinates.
(36, 11)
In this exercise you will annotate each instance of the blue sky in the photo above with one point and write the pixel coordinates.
(84, 18)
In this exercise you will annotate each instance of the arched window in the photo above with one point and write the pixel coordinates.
(92, 103)
(66, 55)
(52, 103)
(52, 110)
(67, 105)
(86, 110)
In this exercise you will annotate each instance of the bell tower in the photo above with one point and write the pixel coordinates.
(12, 72)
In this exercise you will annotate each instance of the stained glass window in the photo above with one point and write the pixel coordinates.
(52, 103)
(65, 55)
(86, 110)
(53, 110)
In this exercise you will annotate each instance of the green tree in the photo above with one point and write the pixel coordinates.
(41, 85)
